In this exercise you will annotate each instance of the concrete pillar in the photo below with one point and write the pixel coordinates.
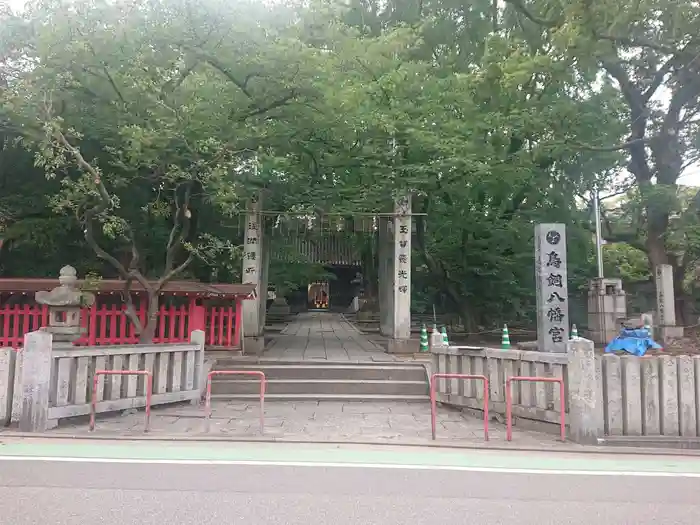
(35, 382)
(553, 321)
(607, 309)
(687, 404)
(612, 388)
(8, 359)
(253, 255)
(265, 249)
(585, 416)
(666, 303)
(631, 395)
(385, 276)
(197, 337)
(668, 382)
(400, 341)
(651, 421)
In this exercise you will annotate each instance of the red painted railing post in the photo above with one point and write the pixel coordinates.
(92, 325)
(198, 319)
(536, 379)
(149, 392)
(256, 373)
(237, 326)
(433, 400)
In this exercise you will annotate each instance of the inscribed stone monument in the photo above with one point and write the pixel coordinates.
(252, 268)
(552, 290)
(400, 342)
(666, 302)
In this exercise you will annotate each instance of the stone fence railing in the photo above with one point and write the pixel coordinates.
(650, 396)
(606, 396)
(536, 402)
(42, 384)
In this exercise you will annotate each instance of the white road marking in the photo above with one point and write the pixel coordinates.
(322, 464)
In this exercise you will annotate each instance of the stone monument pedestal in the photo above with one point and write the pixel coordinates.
(607, 308)
(279, 307)
(666, 304)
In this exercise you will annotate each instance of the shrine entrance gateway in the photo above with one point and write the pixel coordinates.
(366, 256)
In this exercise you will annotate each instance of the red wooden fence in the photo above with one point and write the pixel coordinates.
(109, 326)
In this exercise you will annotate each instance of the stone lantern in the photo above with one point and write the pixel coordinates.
(65, 302)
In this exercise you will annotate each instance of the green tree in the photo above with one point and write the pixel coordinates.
(648, 52)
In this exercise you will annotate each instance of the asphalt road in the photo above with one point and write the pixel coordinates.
(58, 493)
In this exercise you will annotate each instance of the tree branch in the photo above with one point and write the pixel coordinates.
(181, 226)
(100, 207)
(519, 5)
(617, 147)
(130, 310)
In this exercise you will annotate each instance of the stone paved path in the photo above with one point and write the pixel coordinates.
(324, 336)
(318, 421)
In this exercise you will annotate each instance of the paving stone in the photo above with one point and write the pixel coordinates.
(325, 421)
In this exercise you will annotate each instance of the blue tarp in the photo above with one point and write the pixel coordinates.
(633, 341)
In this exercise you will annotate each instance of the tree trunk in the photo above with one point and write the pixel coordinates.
(149, 329)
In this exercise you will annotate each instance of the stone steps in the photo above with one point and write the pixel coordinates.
(379, 398)
(338, 372)
(323, 380)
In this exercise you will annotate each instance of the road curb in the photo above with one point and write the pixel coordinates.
(589, 450)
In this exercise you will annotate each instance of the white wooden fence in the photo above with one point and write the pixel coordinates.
(534, 401)
(64, 387)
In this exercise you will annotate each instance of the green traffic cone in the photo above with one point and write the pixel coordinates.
(445, 341)
(505, 339)
(574, 332)
(423, 339)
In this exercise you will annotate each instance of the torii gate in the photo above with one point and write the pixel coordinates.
(394, 275)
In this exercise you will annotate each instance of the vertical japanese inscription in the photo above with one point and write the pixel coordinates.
(552, 293)
(251, 246)
(403, 240)
(402, 268)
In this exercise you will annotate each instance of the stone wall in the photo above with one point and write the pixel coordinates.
(42, 384)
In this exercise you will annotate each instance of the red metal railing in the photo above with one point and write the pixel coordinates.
(256, 373)
(149, 392)
(433, 401)
(107, 325)
(509, 402)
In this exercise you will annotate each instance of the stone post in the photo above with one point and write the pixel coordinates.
(252, 274)
(666, 303)
(35, 382)
(385, 277)
(552, 289)
(264, 274)
(197, 337)
(8, 361)
(400, 341)
(607, 309)
(585, 408)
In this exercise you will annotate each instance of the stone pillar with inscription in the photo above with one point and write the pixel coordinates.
(666, 303)
(385, 276)
(252, 274)
(552, 290)
(400, 341)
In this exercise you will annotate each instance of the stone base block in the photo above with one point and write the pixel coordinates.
(403, 346)
(253, 345)
(671, 332)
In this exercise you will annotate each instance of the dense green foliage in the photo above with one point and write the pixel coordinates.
(129, 130)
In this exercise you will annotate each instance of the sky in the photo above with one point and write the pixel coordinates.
(690, 177)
